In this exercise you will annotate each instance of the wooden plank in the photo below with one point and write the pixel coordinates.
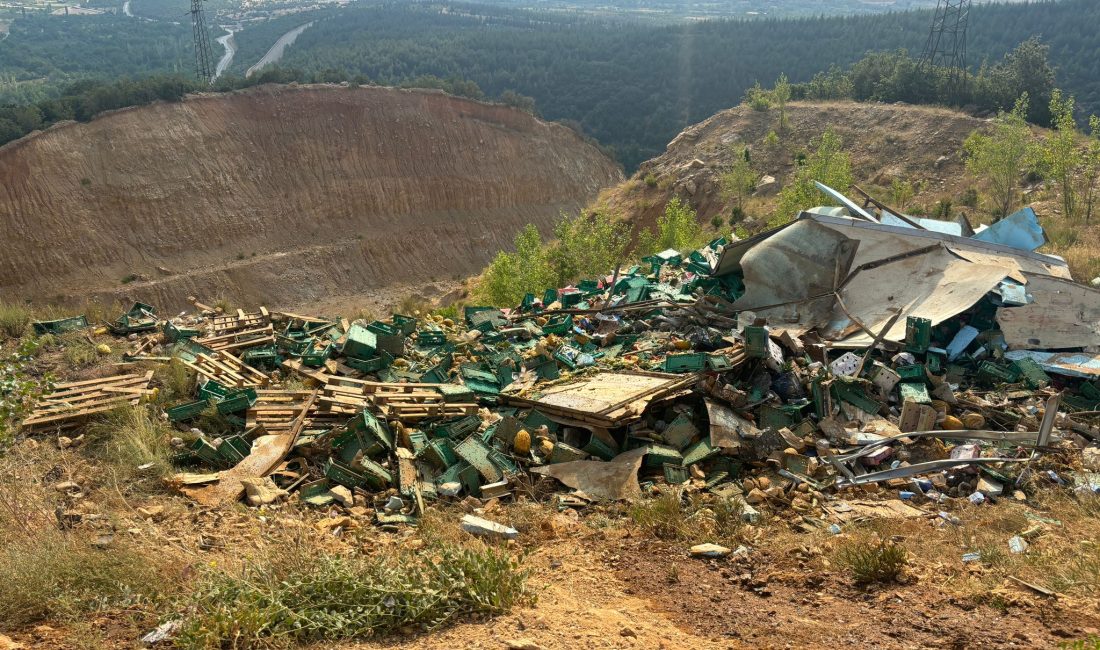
(265, 457)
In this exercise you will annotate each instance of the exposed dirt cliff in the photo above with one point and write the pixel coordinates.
(281, 195)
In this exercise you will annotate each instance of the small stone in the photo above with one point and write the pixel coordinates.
(756, 496)
(709, 550)
(763, 482)
(358, 511)
(395, 504)
(332, 523)
(342, 495)
(485, 528)
(626, 631)
(450, 489)
(67, 486)
(1090, 458)
(697, 472)
(523, 644)
(64, 442)
(151, 512)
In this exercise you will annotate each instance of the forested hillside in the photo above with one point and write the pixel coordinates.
(632, 85)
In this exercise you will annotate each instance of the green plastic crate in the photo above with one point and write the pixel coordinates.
(60, 326)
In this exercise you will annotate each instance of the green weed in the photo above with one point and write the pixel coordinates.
(305, 596)
(869, 563)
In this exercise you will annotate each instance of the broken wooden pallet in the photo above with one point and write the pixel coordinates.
(227, 370)
(241, 339)
(275, 411)
(69, 405)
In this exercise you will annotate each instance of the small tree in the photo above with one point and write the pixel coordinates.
(588, 245)
(781, 94)
(901, 193)
(739, 180)
(999, 156)
(1060, 155)
(828, 164)
(1092, 165)
(677, 228)
(511, 275)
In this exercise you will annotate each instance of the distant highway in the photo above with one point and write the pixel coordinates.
(276, 52)
(230, 46)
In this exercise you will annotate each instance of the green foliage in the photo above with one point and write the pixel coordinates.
(677, 228)
(14, 320)
(869, 563)
(1073, 168)
(511, 275)
(738, 180)
(758, 98)
(624, 82)
(781, 94)
(828, 164)
(901, 193)
(587, 245)
(515, 100)
(999, 155)
(313, 597)
(19, 388)
(650, 180)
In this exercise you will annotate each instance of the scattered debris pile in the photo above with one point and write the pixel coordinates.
(854, 346)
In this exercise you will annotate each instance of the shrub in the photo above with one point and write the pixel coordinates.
(14, 320)
(758, 98)
(19, 389)
(650, 180)
(587, 245)
(310, 597)
(677, 228)
(828, 164)
(869, 563)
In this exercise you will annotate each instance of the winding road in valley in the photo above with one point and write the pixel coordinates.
(230, 46)
(276, 52)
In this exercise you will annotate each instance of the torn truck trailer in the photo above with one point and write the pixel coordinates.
(845, 277)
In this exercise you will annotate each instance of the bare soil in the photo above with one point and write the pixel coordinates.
(281, 195)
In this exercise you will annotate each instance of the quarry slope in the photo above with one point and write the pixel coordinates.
(281, 195)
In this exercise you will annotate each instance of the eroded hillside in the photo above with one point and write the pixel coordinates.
(281, 195)
(916, 144)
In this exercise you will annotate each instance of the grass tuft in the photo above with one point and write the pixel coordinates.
(870, 563)
(14, 320)
(303, 596)
(129, 437)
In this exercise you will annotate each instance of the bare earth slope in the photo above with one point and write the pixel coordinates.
(281, 195)
(918, 144)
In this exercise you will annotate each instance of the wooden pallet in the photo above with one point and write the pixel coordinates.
(69, 405)
(275, 411)
(241, 339)
(227, 370)
(229, 323)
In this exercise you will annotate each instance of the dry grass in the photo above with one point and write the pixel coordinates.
(56, 573)
(672, 515)
(14, 320)
(125, 440)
